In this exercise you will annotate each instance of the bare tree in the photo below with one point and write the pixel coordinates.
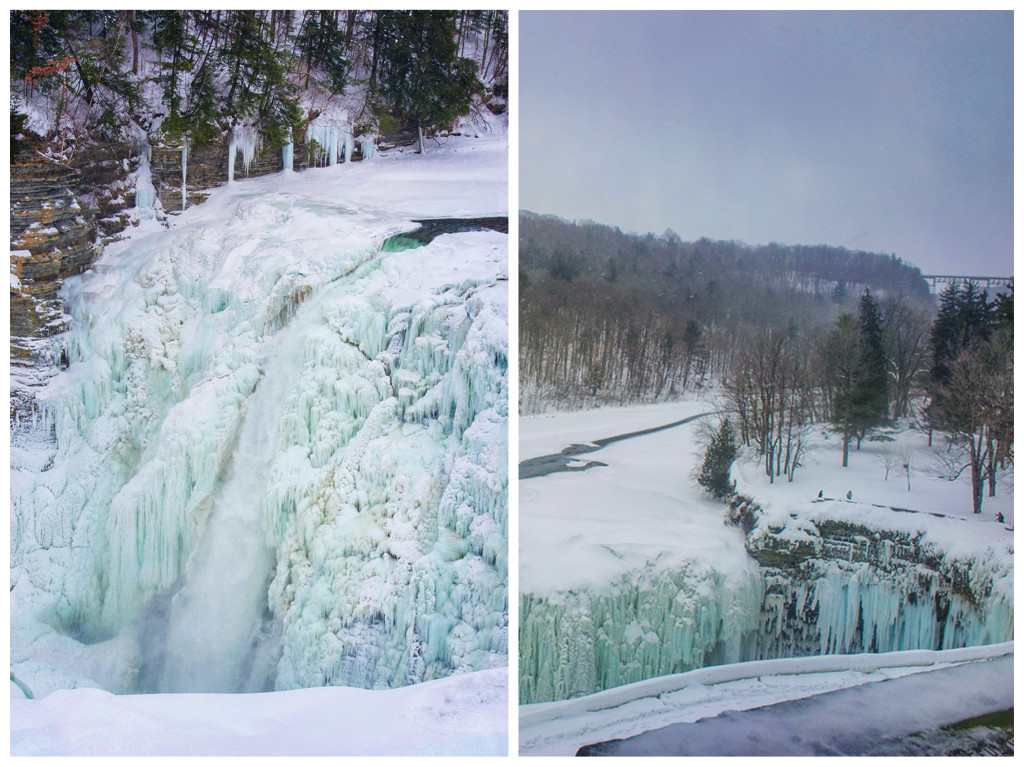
(905, 332)
(977, 408)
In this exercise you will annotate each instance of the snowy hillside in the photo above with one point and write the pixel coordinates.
(277, 456)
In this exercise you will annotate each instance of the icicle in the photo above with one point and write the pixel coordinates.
(331, 139)
(366, 146)
(288, 153)
(145, 193)
(184, 171)
(349, 145)
(248, 140)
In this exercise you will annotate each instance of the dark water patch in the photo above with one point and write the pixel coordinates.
(556, 462)
(429, 228)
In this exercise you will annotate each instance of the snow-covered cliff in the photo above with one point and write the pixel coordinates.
(278, 454)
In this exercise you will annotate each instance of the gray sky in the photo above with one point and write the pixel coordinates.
(888, 132)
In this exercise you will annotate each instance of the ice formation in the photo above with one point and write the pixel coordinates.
(667, 620)
(277, 458)
(331, 137)
(838, 607)
(366, 146)
(247, 139)
(184, 172)
(145, 192)
(653, 622)
(288, 154)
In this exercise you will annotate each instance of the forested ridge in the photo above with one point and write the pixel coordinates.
(607, 315)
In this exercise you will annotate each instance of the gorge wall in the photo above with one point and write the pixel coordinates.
(815, 586)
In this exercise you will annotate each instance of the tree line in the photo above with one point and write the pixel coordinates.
(416, 69)
(607, 316)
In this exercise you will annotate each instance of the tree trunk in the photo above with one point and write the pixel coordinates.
(977, 472)
(135, 47)
(350, 23)
(991, 466)
(846, 449)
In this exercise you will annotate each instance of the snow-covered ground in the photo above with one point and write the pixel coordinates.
(305, 434)
(464, 715)
(983, 685)
(952, 522)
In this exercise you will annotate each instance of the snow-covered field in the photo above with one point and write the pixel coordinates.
(281, 454)
(464, 715)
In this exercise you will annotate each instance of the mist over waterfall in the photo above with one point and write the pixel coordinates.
(214, 629)
(277, 456)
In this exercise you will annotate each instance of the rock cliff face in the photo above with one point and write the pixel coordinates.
(62, 214)
(834, 586)
(52, 237)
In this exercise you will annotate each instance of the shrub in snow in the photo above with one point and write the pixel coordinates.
(714, 473)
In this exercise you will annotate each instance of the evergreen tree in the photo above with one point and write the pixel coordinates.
(718, 460)
(964, 321)
(177, 49)
(322, 45)
(870, 396)
(257, 86)
(417, 77)
(971, 386)
(841, 359)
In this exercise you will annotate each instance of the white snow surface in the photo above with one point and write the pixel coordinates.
(464, 715)
(258, 372)
(560, 728)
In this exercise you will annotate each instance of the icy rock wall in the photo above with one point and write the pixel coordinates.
(389, 497)
(651, 623)
(329, 140)
(384, 505)
(838, 606)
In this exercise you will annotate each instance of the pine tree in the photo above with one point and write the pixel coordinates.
(718, 459)
(870, 396)
(177, 50)
(322, 45)
(417, 77)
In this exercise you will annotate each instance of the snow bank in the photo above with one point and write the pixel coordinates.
(562, 727)
(465, 714)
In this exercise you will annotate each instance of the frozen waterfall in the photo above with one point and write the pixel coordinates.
(277, 458)
(217, 640)
(145, 192)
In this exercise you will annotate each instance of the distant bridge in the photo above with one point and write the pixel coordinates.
(935, 280)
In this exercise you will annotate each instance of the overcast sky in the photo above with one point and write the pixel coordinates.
(888, 132)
